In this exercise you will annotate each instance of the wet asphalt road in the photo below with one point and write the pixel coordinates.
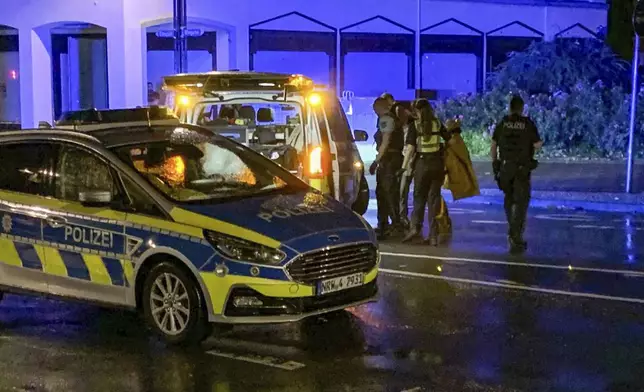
(466, 316)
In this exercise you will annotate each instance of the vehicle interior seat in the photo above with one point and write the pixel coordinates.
(265, 115)
(265, 134)
(248, 113)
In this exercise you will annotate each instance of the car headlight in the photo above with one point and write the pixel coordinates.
(243, 250)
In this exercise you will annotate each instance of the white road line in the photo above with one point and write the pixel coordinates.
(566, 217)
(490, 222)
(512, 286)
(501, 262)
(594, 227)
(260, 360)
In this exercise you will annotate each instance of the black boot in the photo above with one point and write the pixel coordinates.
(412, 234)
(517, 245)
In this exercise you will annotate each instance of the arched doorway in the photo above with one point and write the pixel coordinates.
(79, 66)
(202, 50)
(295, 43)
(9, 78)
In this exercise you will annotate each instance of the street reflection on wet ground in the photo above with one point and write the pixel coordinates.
(568, 316)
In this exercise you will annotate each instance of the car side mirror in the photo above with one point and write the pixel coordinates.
(95, 198)
(360, 136)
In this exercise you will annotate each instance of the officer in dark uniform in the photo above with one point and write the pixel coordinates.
(383, 214)
(429, 173)
(516, 137)
(388, 163)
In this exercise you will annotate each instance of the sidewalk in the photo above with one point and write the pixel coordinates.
(562, 184)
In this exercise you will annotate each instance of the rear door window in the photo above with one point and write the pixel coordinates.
(27, 168)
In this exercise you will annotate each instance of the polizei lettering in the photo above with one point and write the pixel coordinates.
(89, 236)
(284, 213)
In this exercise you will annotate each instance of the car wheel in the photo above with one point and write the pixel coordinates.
(173, 305)
(361, 204)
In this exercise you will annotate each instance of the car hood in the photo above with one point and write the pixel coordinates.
(303, 220)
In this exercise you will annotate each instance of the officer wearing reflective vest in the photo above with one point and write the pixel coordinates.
(388, 162)
(516, 138)
(429, 172)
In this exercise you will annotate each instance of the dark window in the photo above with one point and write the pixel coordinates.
(140, 201)
(78, 170)
(340, 131)
(27, 168)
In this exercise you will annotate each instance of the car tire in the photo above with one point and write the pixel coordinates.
(361, 204)
(173, 306)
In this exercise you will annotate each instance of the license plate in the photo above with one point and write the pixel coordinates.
(342, 283)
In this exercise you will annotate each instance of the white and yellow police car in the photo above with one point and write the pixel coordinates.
(188, 227)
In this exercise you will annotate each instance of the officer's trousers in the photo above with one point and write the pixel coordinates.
(405, 184)
(383, 214)
(428, 179)
(514, 181)
(389, 184)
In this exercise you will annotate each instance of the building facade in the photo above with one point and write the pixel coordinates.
(57, 55)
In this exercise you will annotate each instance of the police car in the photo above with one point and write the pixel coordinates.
(187, 227)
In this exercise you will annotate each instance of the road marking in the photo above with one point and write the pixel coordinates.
(490, 222)
(512, 286)
(260, 360)
(513, 263)
(566, 217)
(417, 389)
(594, 227)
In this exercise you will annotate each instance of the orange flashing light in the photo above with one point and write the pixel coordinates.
(300, 81)
(316, 170)
(314, 99)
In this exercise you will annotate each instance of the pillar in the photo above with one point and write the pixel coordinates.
(98, 81)
(35, 77)
(224, 50)
(242, 48)
(125, 65)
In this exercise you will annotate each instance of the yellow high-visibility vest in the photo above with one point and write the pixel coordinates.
(431, 143)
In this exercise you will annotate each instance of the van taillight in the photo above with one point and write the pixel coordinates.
(316, 168)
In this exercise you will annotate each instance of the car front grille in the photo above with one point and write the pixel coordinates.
(333, 262)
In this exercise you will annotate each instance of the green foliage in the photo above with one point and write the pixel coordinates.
(548, 67)
(581, 106)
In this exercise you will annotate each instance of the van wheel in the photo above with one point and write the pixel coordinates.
(173, 305)
(361, 204)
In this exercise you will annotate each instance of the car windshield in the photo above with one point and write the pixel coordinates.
(190, 166)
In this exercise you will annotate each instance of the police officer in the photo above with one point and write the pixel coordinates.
(516, 137)
(388, 163)
(429, 171)
(407, 122)
(383, 214)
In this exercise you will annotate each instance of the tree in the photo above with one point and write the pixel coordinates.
(560, 65)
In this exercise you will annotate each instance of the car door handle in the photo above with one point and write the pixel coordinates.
(56, 221)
